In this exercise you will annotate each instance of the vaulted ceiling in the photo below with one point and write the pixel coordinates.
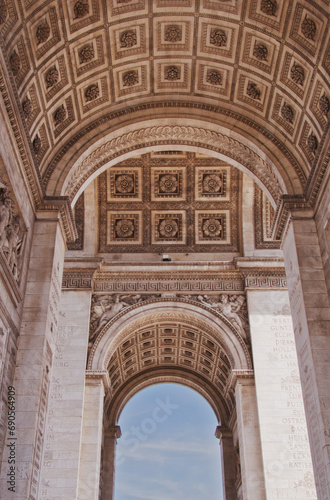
(81, 68)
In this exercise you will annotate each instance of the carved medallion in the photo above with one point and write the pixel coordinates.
(212, 228)
(128, 39)
(172, 73)
(218, 38)
(287, 113)
(86, 54)
(36, 144)
(27, 107)
(308, 28)
(51, 77)
(312, 143)
(81, 9)
(125, 228)
(124, 184)
(214, 77)
(168, 183)
(43, 32)
(15, 62)
(297, 74)
(92, 92)
(130, 78)
(173, 33)
(269, 7)
(324, 104)
(168, 228)
(3, 11)
(212, 183)
(59, 115)
(253, 91)
(260, 51)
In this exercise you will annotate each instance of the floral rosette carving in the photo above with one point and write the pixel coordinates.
(214, 77)
(43, 32)
(173, 34)
(168, 228)
(80, 9)
(168, 183)
(124, 184)
(52, 77)
(124, 228)
(212, 228)
(218, 38)
(172, 73)
(130, 78)
(212, 183)
(86, 54)
(128, 39)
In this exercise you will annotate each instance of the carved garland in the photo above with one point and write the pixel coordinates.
(180, 135)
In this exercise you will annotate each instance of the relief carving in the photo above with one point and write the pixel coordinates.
(128, 39)
(269, 7)
(43, 32)
(92, 92)
(11, 232)
(15, 62)
(312, 143)
(52, 77)
(324, 104)
(298, 74)
(287, 113)
(214, 77)
(86, 54)
(3, 11)
(173, 33)
(308, 28)
(130, 78)
(172, 73)
(260, 51)
(81, 9)
(218, 38)
(27, 107)
(253, 91)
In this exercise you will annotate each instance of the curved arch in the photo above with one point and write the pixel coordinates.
(200, 135)
(139, 315)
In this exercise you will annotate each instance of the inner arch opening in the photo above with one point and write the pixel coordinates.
(167, 448)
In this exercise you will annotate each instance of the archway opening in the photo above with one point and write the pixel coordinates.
(168, 449)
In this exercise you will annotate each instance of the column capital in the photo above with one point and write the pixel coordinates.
(242, 377)
(98, 377)
(222, 432)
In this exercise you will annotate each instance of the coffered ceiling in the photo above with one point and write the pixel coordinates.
(260, 67)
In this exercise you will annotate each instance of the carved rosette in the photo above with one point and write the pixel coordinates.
(214, 77)
(212, 228)
(130, 78)
(172, 73)
(3, 11)
(324, 104)
(268, 7)
(81, 9)
(212, 183)
(27, 107)
(36, 144)
(43, 32)
(260, 51)
(168, 228)
(253, 91)
(168, 183)
(312, 143)
(86, 54)
(92, 92)
(124, 184)
(308, 28)
(218, 38)
(128, 39)
(15, 62)
(124, 228)
(173, 34)
(287, 113)
(51, 77)
(298, 74)
(59, 115)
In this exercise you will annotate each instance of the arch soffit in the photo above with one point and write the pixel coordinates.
(199, 135)
(148, 379)
(165, 310)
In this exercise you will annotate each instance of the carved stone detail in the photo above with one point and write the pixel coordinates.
(86, 54)
(260, 51)
(43, 32)
(212, 183)
(60, 115)
(51, 77)
(36, 143)
(128, 39)
(130, 78)
(27, 107)
(253, 91)
(312, 143)
(173, 33)
(212, 228)
(324, 104)
(81, 9)
(308, 28)
(168, 228)
(172, 73)
(168, 183)
(287, 113)
(218, 38)
(3, 11)
(15, 62)
(124, 228)
(297, 74)
(92, 92)
(269, 7)
(214, 77)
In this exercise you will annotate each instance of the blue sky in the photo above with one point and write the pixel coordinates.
(168, 450)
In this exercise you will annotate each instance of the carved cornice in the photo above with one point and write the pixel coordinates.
(81, 278)
(62, 205)
(240, 376)
(282, 214)
(185, 135)
(100, 376)
(265, 278)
